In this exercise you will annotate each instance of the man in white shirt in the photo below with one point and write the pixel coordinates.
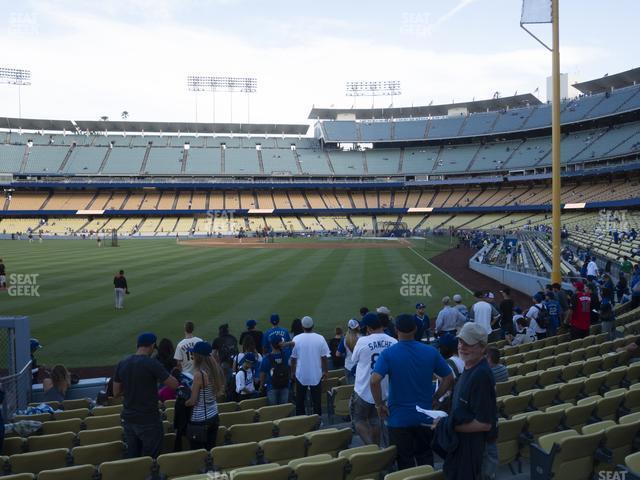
(183, 354)
(592, 269)
(483, 314)
(309, 366)
(532, 315)
(362, 406)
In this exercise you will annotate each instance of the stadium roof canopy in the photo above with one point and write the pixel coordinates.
(608, 82)
(477, 106)
(165, 127)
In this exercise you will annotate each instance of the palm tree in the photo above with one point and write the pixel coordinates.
(124, 115)
(104, 118)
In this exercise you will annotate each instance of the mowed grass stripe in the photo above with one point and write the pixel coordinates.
(165, 313)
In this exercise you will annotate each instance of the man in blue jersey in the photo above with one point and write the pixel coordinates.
(276, 331)
(422, 322)
(410, 366)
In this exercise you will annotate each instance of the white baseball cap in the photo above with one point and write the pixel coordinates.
(307, 322)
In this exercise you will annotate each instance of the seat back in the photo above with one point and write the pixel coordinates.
(98, 453)
(34, 462)
(250, 432)
(100, 435)
(329, 441)
(370, 464)
(241, 416)
(131, 469)
(103, 421)
(78, 472)
(282, 450)
(297, 425)
(229, 457)
(275, 412)
(333, 468)
(47, 442)
(575, 458)
(183, 463)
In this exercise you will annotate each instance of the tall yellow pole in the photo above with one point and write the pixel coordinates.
(556, 274)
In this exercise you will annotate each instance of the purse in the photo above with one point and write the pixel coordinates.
(197, 432)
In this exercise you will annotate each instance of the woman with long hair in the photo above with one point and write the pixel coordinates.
(55, 388)
(345, 349)
(208, 383)
(165, 354)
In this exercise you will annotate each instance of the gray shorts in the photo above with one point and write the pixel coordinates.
(363, 411)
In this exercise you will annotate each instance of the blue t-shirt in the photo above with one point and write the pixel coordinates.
(554, 309)
(269, 361)
(266, 339)
(410, 366)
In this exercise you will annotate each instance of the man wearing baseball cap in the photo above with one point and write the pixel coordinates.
(137, 377)
(309, 366)
(276, 331)
(474, 414)
(410, 366)
(362, 406)
(256, 334)
(422, 322)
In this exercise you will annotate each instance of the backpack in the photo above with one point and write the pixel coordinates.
(228, 349)
(279, 373)
(543, 317)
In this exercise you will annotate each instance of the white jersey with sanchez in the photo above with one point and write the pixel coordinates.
(184, 355)
(364, 356)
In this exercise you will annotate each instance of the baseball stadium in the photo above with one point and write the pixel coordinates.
(224, 223)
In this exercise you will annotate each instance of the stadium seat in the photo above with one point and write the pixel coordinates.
(564, 455)
(424, 472)
(282, 450)
(79, 472)
(316, 468)
(36, 443)
(226, 407)
(338, 399)
(34, 462)
(59, 426)
(328, 440)
(276, 412)
(19, 476)
(539, 424)
(508, 442)
(98, 411)
(13, 445)
(178, 464)
(297, 425)
(67, 414)
(98, 453)
(250, 432)
(632, 462)
(241, 416)
(366, 464)
(104, 421)
(262, 472)
(100, 435)
(505, 388)
(131, 469)
(229, 457)
(253, 403)
(80, 403)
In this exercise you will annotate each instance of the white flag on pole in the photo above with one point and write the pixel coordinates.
(536, 11)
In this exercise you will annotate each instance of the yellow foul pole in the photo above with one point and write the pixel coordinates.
(556, 274)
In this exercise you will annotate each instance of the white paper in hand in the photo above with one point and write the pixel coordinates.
(433, 414)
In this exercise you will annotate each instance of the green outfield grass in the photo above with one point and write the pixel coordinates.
(75, 320)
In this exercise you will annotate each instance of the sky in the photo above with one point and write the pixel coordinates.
(94, 59)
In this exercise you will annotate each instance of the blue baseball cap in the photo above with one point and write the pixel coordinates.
(276, 340)
(538, 297)
(275, 319)
(251, 323)
(371, 320)
(419, 305)
(146, 339)
(35, 344)
(405, 323)
(202, 348)
(249, 357)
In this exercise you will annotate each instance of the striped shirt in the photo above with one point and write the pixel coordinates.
(198, 413)
(500, 373)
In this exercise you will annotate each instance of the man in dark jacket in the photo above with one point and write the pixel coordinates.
(120, 284)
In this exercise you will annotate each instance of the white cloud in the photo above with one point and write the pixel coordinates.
(94, 66)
